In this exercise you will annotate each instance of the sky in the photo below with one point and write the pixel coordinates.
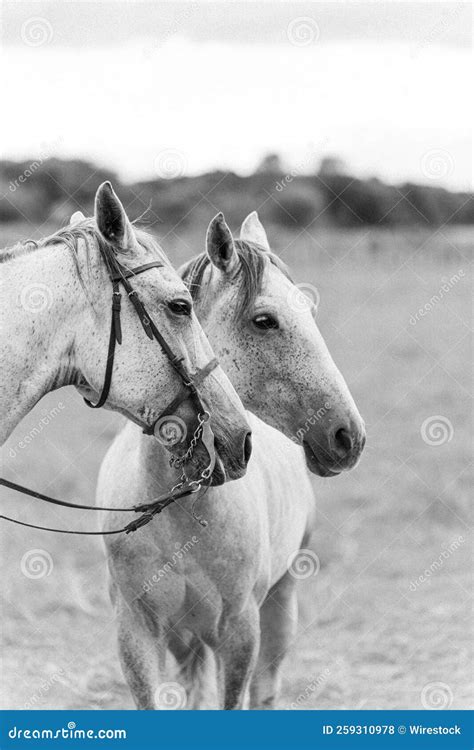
(165, 89)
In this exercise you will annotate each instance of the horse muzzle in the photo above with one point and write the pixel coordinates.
(232, 461)
(338, 450)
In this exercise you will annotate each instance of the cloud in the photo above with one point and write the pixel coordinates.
(222, 105)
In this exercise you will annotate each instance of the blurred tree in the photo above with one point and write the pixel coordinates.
(270, 164)
(332, 165)
(298, 204)
(37, 191)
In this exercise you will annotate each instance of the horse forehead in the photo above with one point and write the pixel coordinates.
(276, 286)
(171, 282)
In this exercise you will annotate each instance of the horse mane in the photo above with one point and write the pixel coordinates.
(254, 259)
(87, 231)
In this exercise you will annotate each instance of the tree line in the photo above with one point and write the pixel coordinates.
(52, 189)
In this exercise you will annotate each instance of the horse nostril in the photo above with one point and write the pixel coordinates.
(342, 441)
(247, 447)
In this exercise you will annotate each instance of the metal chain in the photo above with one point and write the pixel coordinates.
(178, 462)
(193, 485)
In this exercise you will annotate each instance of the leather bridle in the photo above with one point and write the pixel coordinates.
(119, 274)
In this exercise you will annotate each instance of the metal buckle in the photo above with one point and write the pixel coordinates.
(197, 487)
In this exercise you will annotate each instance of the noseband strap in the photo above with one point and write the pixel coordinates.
(187, 390)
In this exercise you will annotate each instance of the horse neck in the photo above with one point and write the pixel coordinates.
(156, 461)
(43, 304)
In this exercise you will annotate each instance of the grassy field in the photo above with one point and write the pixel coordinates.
(385, 622)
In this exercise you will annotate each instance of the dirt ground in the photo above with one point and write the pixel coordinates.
(384, 623)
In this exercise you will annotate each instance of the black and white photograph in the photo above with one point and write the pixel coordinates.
(236, 357)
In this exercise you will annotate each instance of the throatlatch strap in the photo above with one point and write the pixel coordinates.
(118, 275)
(115, 335)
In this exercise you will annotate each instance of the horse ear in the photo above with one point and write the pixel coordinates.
(112, 221)
(252, 230)
(76, 218)
(220, 245)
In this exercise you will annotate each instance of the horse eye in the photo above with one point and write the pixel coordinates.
(265, 322)
(180, 307)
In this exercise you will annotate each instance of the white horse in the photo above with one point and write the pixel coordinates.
(220, 598)
(55, 322)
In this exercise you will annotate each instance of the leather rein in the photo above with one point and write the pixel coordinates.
(190, 381)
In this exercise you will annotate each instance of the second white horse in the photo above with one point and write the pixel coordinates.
(220, 598)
